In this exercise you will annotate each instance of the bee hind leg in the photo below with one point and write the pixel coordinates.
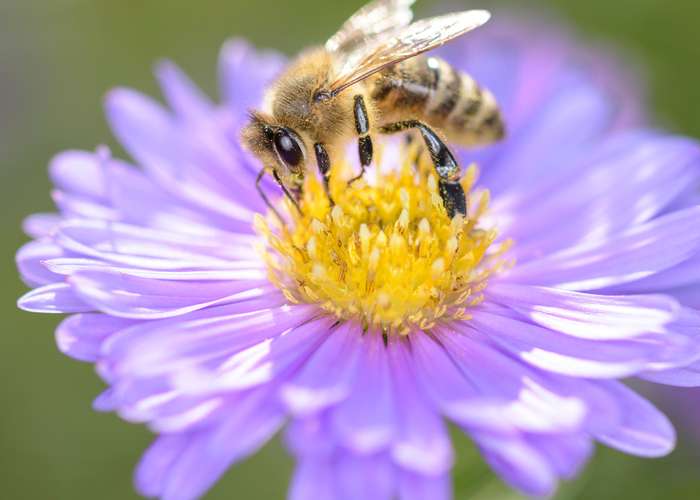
(446, 166)
(364, 145)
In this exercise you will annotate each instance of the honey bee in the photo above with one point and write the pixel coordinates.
(371, 77)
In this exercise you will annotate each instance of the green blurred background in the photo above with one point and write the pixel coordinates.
(58, 57)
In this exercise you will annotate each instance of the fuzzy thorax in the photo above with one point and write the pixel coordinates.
(387, 254)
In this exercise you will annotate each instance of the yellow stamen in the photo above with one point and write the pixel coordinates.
(387, 254)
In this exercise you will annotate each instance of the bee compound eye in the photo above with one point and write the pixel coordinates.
(288, 148)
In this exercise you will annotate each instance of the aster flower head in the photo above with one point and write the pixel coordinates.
(365, 326)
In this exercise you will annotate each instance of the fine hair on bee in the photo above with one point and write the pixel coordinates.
(373, 77)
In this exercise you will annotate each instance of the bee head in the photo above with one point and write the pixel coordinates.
(277, 146)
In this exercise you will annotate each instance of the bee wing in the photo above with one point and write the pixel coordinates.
(381, 51)
(374, 18)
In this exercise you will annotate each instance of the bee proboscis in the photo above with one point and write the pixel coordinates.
(372, 77)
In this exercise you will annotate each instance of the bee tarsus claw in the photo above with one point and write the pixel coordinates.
(445, 164)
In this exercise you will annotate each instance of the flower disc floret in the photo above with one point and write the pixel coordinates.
(385, 253)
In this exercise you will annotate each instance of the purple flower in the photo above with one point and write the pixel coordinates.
(364, 328)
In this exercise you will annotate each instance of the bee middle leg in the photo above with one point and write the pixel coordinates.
(365, 147)
(324, 166)
(446, 166)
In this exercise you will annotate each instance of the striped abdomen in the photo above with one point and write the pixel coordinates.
(431, 90)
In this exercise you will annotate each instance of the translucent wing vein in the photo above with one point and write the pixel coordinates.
(371, 20)
(381, 51)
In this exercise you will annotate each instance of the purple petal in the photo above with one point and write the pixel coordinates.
(191, 161)
(155, 464)
(687, 295)
(421, 443)
(520, 464)
(244, 73)
(212, 335)
(452, 392)
(313, 480)
(687, 376)
(683, 374)
(413, 486)
(144, 128)
(30, 260)
(236, 271)
(590, 87)
(145, 202)
(575, 115)
(603, 411)
(141, 298)
(128, 393)
(686, 273)
(365, 421)
(80, 173)
(183, 415)
(638, 253)
(530, 401)
(81, 336)
(259, 364)
(183, 96)
(56, 298)
(153, 249)
(153, 401)
(208, 454)
(544, 43)
(643, 431)
(41, 225)
(586, 315)
(609, 195)
(560, 353)
(72, 206)
(565, 454)
(311, 437)
(366, 478)
(327, 376)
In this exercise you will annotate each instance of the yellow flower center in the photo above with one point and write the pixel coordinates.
(387, 254)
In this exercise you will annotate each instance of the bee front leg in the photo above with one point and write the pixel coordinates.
(294, 198)
(446, 166)
(264, 197)
(324, 166)
(365, 147)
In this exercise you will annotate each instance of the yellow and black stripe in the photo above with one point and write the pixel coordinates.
(431, 90)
